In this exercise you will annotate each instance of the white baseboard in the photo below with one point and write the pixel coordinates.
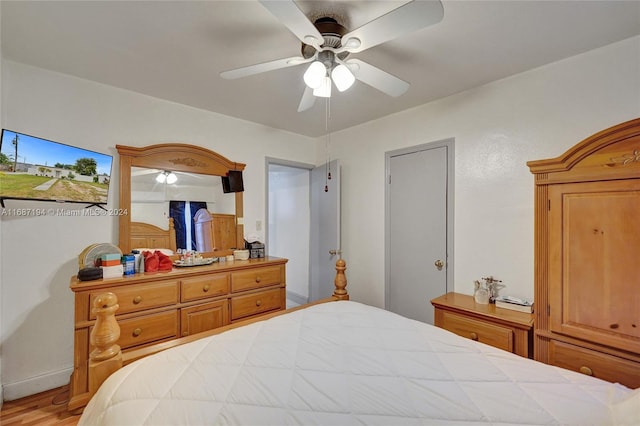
(297, 298)
(36, 384)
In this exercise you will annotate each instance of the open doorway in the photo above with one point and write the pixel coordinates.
(288, 229)
(303, 225)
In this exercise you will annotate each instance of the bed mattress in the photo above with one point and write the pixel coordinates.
(345, 363)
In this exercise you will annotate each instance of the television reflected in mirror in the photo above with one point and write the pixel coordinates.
(232, 182)
(32, 168)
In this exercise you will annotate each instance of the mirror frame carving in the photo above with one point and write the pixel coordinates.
(175, 157)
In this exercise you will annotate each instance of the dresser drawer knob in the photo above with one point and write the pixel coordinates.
(258, 279)
(474, 336)
(258, 302)
(137, 300)
(137, 332)
(205, 288)
(586, 370)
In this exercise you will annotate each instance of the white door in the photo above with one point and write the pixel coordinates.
(418, 200)
(325, 229)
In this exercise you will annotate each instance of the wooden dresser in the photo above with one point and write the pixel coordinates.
(587, 249)
(159, 307)
(501, 328)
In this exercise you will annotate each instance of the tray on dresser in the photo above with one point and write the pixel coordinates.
(200, 262)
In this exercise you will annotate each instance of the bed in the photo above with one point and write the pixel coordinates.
(145, 235)
(343, 362)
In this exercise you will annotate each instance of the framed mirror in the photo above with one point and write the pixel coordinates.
(146, 195)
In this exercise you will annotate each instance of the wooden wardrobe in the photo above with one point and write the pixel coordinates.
(587, 256)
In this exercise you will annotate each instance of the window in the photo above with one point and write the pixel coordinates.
(182, 213)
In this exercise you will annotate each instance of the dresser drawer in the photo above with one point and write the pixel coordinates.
(141, 297)
(480, 331)
(148, 328)
(204, 286)
(256, 303)
(255, 278)
(593, 363)
(203, 317)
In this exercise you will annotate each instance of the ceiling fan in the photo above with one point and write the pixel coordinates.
(327, 45)
(149, 176)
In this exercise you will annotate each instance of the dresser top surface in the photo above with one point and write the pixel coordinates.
(178, 272)
(466, 303)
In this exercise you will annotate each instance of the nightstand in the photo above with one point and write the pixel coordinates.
(502, 328)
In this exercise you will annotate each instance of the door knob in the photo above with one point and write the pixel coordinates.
(439, 264)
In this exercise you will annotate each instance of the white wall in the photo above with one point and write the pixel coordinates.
(39, 254)
(497, 129)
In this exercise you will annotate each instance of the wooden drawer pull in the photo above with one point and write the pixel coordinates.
(137, 300)
(137, 332)
(258, 302)
(474, 336)
(205, 288)
(258, 279)
(586, 370)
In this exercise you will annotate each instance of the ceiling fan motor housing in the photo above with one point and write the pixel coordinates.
(332, 33)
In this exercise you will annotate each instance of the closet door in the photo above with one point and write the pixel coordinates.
(593, 267)
(418, 211)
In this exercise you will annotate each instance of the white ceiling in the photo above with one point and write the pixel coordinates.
(175, 50)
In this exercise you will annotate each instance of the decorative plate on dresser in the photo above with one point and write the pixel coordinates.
(88, 257)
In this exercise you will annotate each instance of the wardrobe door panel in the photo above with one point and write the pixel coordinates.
(593, 272)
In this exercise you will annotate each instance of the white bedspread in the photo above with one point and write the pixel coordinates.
(347, 363)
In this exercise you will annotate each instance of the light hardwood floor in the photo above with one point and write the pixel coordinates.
(46, 408)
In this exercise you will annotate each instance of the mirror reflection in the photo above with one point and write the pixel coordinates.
(159, 194)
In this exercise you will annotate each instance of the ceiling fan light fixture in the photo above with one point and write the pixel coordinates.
(324, 91)
(342, 77)
(166, 176)
(314, 75)
(171, 178)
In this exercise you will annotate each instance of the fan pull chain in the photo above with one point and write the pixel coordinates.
(327, 143)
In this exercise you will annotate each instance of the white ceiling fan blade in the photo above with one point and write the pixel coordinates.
(376, 78)
(297, 22)
(412, 16)
(264, 67)
(307, 100)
